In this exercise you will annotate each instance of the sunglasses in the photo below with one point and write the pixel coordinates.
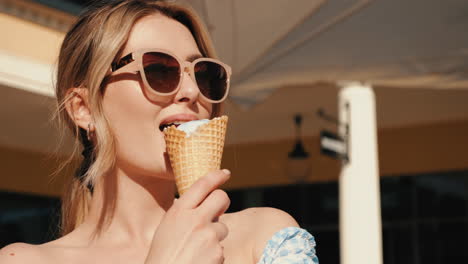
(162, 72)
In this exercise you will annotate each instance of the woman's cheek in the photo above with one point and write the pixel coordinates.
(141, 151)
(140, 144)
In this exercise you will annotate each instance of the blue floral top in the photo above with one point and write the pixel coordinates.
(291, 245)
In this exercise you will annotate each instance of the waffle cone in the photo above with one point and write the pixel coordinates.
(194, 156)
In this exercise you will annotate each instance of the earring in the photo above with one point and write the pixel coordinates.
(90, 130)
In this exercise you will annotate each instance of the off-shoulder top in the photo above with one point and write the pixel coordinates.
(291, 245)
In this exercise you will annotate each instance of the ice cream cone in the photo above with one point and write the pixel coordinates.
(195, 155)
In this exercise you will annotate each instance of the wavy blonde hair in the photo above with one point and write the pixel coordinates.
(87, 52)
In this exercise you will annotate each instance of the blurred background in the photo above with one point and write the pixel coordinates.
(288, 58)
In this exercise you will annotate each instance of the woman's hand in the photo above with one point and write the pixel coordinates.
(189, 232)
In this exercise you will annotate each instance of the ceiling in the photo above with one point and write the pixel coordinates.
(398, 43)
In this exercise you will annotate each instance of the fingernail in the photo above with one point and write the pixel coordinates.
(226, 171)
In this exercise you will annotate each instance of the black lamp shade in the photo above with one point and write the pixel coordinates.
(298, 152)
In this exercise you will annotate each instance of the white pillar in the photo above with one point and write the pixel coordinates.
(360, 217)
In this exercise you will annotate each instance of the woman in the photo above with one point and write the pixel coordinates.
(126, 69)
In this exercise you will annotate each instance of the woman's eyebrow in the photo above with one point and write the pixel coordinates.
(194, 57)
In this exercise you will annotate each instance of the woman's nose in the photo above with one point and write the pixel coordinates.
(188, 91)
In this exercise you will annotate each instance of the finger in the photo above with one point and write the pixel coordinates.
(221, 230)
(201, 188)
(214, 205)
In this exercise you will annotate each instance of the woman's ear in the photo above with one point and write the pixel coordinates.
(78, 107)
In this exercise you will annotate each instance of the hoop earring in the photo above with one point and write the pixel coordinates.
(90, 131)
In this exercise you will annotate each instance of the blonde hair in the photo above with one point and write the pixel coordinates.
(87, 52)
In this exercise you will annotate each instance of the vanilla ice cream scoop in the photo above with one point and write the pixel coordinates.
(190, 127)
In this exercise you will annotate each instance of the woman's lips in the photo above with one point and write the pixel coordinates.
(176, 119)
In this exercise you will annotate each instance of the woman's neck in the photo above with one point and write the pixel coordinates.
(140, 204)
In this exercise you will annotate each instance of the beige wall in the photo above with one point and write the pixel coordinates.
(30, 40)
(424, 148)
(27, 172)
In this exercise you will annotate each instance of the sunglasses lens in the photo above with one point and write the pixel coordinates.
(162, 71)
(211, 79)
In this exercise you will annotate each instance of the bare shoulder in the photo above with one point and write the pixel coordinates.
(262, 218)
(21, 253)
(51, 252)
(257, 225)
